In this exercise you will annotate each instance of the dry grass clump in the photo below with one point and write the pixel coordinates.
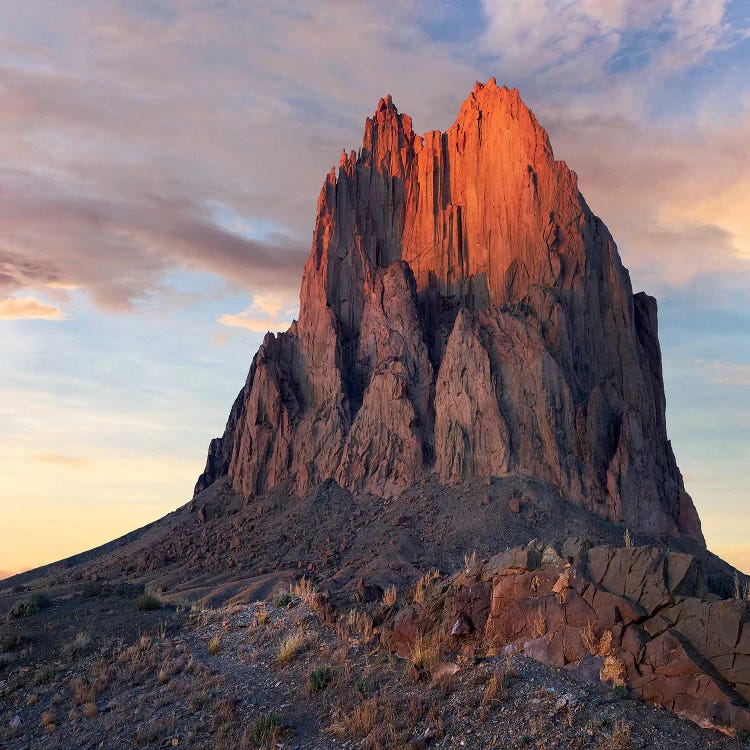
(224, 710)
(82, 692)
(140, 660)
(423, 584)
(47, 721)
(628, 539)
(539, 624)
(90, 710)
(214, 645)
(304, 590)
(470, 561)
(426, 653)
(261, 614)
(290, 647)
(596, 646)
(497, 687)
(620, 739)
(613, 670)
(589, 639)
(389, 596)
(360, 624)
(358, 722)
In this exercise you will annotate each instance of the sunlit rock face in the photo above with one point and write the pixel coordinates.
(464, 313)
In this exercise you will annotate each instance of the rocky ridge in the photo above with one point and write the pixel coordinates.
(642, 618)
(463, 313)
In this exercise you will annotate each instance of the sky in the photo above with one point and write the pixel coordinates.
(160, 163)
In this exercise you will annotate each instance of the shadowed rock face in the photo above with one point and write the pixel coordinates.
(462, 312)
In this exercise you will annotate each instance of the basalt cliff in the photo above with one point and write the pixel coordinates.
(463, 314)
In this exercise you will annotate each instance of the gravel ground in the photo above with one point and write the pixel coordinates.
(208, 678)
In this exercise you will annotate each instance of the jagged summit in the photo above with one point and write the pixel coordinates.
(462, 313)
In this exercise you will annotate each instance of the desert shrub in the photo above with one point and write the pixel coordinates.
(75, 647)
(363, 686)
(148, 603)
(266, 728)
(284, 599)
(319, 679)
(12, 642)
(30, 605)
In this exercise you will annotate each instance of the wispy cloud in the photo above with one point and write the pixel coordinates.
(62, 459)
(263, 315)
(28, 308)
(725, 373)
(588, 42)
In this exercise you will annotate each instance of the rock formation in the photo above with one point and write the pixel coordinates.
(463, 313)
(644, 617)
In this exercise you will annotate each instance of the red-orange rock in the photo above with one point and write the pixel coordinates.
(676, 646)
(462, 312)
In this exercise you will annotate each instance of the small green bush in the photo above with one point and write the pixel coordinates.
(283, 600)
(266, 727)
(30, 605)
(148, 603)
(319, 679)
(363, 686)
(621, 691)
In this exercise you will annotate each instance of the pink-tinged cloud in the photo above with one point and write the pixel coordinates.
(725, 373)
(256, 325)
(112, 159)
(28, 308)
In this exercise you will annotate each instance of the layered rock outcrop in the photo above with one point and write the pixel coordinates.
(464, 313)
(644, 617)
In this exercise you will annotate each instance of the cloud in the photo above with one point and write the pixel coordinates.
(269, 308)
(256, 325)
(111, 169)
(725, 373)
(28, 308)
(673, 198)
(587, 42)
(61, 459)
